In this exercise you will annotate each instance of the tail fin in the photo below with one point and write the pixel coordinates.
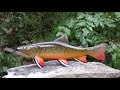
(98, 52)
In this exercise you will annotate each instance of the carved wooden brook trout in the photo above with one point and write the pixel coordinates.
(60, 50)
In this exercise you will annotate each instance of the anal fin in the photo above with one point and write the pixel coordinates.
(39, 61)
(64, 62)
(82, 58)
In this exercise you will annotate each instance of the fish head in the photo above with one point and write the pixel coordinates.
(22, 54)
(22, 51)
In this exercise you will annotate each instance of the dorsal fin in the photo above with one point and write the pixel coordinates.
(63, 39)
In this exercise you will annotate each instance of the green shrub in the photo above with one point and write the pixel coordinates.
(113, 56)
(85, 29)
(21, 28)
(9, 61)
(90, 28)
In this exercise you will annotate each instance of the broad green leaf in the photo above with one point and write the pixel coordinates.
(1, 56)
(85, 31)
(71, 23)
(101, 24)
(81, 24)
(90, 24)
(59, 34)
(81, 15)
(67, 31)
(117, 14)
(84, 41)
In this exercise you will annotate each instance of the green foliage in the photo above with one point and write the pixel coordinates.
(113, 56)
(89, 29)
(82, 28)
(9, 61)
(116, 57)
(87, 25)
(27, 27)
(21, 28)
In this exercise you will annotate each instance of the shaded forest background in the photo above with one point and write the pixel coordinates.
(82, 28)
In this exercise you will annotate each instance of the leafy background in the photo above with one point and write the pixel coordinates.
(82, 28)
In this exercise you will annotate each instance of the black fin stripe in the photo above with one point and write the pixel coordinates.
(77, 60)
(34, 60)
(63, 63)
(37, 63)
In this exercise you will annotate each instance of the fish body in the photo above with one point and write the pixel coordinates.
(51, 50)
(60, 51)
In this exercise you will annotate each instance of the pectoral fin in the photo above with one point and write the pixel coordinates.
(39, 61)
(64, 62)
(83, 59)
